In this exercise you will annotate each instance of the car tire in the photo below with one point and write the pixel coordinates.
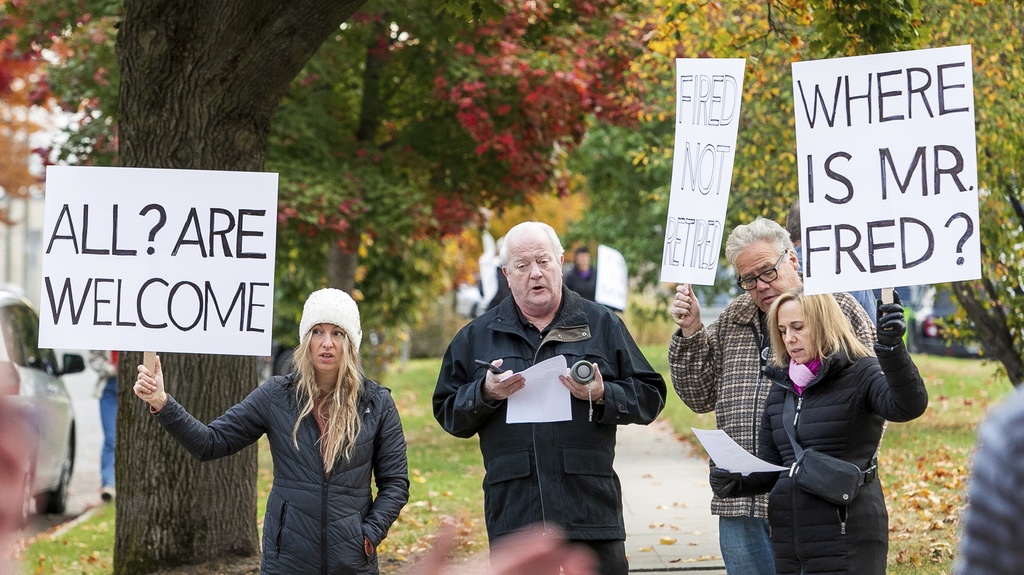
(56, 501)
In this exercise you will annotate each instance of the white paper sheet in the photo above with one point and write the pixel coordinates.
(728, 454)
(544, 398)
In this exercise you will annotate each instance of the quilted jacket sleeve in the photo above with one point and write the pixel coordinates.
(239, 427)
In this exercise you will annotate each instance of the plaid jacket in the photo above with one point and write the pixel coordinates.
(719, 369)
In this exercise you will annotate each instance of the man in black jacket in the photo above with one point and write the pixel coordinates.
(582, 278)
(560, 473)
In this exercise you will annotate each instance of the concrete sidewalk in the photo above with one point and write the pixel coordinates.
(666, 502)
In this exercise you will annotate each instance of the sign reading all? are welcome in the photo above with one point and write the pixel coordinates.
(158, 260)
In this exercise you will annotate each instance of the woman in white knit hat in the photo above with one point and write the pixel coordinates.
(329, 428)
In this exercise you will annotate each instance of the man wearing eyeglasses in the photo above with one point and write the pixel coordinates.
(718, 368)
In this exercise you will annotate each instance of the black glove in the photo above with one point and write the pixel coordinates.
(892, 323)
(725, 483)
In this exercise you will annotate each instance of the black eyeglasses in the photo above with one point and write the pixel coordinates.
(767, 276)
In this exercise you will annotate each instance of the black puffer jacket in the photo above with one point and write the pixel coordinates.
(313, 524)
(576, 488)
(841, 413)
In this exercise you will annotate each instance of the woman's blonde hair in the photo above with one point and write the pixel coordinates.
(829, 328)
(339, 406)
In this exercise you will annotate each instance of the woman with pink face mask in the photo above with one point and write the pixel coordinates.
(835, 397)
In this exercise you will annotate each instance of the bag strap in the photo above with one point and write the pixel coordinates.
(789, 416)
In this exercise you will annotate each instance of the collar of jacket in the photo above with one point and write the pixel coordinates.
(569, 325)
(367, 389)
(741, 310)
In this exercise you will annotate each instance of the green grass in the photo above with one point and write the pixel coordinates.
(924, 466)
(87, 548)
(445, 472)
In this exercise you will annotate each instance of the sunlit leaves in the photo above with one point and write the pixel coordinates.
(993, 29)
(17, 126)
(73, 42)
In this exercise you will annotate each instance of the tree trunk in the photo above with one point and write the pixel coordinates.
(341, 268)
(341, 264)
(199, 84)
(171, 509)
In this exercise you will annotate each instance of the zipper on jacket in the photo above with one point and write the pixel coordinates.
(280, 525)
(756, 423)
(796, 417)
(533, 426)
(323, 527)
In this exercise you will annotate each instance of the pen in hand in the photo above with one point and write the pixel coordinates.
(490, 366)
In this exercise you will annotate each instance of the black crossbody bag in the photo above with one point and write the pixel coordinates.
(830, 478)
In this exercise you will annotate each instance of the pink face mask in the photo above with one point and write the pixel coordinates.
(802, 374)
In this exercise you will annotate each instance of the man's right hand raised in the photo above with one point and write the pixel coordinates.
(498, 386)
(685, 310)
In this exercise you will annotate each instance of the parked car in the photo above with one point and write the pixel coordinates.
(930, 311)
(31, 378)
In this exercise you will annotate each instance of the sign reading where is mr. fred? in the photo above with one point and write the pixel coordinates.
(888, 169)
(158, 260)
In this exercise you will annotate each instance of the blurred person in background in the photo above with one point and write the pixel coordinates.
(17, 440)
(104, 363)
(992, 528)
(582, 277)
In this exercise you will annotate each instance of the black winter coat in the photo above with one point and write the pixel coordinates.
(841, 413)
(313, 524)
(576, 487)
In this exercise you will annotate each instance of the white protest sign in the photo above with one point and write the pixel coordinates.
(612, 278)
(709, 92)
(158, 260)
(888, 169)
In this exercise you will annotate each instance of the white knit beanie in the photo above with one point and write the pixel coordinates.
(333, 306)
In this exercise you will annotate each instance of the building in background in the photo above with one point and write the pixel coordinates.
(21, 245)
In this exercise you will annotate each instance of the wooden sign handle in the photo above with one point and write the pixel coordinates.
(887, 295)
(149, 360)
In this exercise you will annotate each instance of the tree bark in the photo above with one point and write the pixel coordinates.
(199, 84)
(341, 268)
(171, 509)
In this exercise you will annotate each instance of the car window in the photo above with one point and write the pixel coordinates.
(28, 325)
(12, 349)
(49, 361)
(944, 304)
